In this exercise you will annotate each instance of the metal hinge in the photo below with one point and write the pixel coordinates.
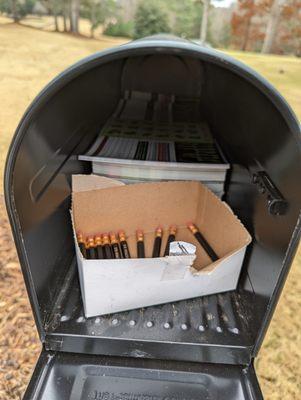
(277, 205)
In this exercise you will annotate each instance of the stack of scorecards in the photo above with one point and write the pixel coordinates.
(133, 150)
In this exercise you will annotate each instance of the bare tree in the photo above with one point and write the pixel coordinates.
(74, 16)
(128, 9)
(204, 23)
(246, 34)
(93, 17)
(53, 7)
(55, 11)
(65, 15)
(16, 9)
(272, 26)
(15, 14)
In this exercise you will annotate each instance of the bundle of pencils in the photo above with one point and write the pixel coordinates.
(103, 246)
(112, 246)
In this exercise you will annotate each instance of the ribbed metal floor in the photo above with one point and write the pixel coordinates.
(189, 330)
(185, 321)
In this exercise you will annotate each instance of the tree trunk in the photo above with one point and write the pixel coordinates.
(246, 35)
(56, 22)
(14, 11)
(65, 28)
(74, 16)
(272, 26)
(65, 16)
(92, 19)
(204, 24)
(128, 9)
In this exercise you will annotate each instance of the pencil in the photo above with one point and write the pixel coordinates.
(171, 238)
(90, 248)
(98, 249)
(123, 245)
(114, 246)
(106, 246)
(157, 242)
(81, 243)
(203, 242)
(140, 244)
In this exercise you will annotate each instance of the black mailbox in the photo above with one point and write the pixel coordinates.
(99, 358)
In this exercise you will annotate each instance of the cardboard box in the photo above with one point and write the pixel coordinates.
(108, 286)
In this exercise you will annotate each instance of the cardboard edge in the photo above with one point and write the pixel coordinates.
(248, 239)
(208, 270)
(79, 261)
(248, 236)
(81, 182)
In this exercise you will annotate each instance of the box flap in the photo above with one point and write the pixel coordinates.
(83, 183)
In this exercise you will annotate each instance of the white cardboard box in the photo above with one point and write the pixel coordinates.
(108, 286)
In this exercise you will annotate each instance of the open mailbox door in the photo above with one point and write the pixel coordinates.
(192, 349)
(80, 377)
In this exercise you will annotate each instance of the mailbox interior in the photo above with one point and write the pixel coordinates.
(256, 130)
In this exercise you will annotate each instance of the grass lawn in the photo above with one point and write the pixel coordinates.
(29, 58)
